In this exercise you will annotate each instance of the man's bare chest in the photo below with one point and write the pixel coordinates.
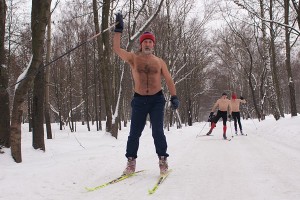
(147, 67)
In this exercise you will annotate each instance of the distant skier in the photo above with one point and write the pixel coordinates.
(224, 107)
(147, 71)
(235, 106)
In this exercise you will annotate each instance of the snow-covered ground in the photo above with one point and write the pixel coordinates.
(263, 165)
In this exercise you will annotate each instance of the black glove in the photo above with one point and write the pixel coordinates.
(229, 116)
(120, 24)
(211, 117)
(242, 98)
(174, 102)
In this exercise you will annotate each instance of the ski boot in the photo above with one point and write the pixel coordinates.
(224, 132)
(236, 132)
(163, 165)
(209, 132)
(242, 132)
(130, 168)
(213, 125)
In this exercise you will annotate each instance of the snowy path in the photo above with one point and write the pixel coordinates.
(247, 167)
(263, 165)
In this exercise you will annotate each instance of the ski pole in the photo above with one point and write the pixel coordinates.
(230, 127)
(201, 130)
(67, 52)
(251, 117)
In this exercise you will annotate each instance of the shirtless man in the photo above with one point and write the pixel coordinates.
(224, 105)
(235, 106)
(147, 71)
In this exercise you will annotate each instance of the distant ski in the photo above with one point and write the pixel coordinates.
(242, 134)
(204, 135)
(116, 180)
(160, 180)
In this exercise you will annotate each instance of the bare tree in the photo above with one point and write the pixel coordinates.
(236, 50)
(47, 82)
(297, 9)
(270, 90)
(4, 96)
(270, 93)
(103, 56)
(291, 83)
(85, 91)
(38, 141)
(289, 29)
(273, 63)
(39, 19)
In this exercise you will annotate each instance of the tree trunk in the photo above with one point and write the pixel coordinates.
(4, 97)
(99, 99)
(39, 20)
(29, 110)
(106, 68)
(288, 61)
(95, 90)
(85, 92)
(58, 88)
(103, 47)
(262, 94)
(71, 120)
(252, 90)
(38, 112)
(47, 81)
(273, 62)
(190, 112)
(270, 91)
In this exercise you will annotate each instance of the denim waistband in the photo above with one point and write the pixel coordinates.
(138, 95)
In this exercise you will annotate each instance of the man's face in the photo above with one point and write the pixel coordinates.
(147, 46)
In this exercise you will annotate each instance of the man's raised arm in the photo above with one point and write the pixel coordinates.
(124, 55)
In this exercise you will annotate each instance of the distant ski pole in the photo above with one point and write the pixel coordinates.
(230, 128)
(201, 130)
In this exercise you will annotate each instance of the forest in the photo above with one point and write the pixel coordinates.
(57, 64)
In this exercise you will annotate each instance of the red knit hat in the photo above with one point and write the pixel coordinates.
(147, 35)
(233, 96)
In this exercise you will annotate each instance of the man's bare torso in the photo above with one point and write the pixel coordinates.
(223, 104)
(146, 72)
(235, 104)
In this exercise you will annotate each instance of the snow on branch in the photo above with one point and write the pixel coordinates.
(75, 108)
(237, 2)
(23, 75)
(185, 76)
(53, 109)
(143, 28)
(116, 113)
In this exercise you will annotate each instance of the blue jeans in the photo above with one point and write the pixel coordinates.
(141, 107)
